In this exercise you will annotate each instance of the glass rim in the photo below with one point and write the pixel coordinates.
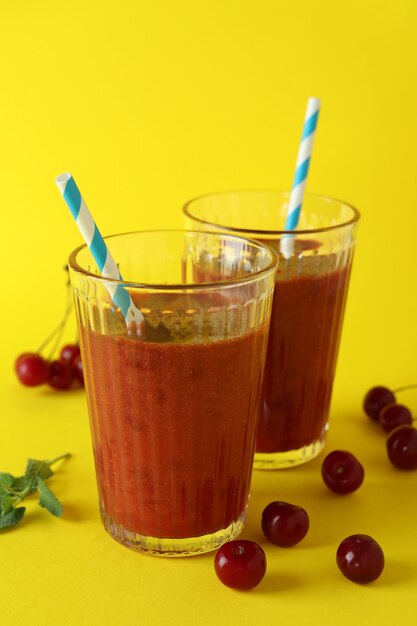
(230, 282)
(254, 231)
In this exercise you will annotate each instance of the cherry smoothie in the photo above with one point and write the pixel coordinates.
(308, 307)
(306, 323)
(174, 393)
(174, 429)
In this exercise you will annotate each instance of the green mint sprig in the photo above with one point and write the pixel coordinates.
(14, 489)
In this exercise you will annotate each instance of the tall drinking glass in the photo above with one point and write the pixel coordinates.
(307, 314)
(174, 403)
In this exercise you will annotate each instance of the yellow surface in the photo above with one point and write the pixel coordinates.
(149, 104)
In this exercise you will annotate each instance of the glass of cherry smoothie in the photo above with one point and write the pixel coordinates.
(174, 402)
(307, 313)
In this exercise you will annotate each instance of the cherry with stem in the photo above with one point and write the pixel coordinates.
(33, 369)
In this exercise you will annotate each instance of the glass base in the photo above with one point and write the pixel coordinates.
(172, 547)
(289, 458)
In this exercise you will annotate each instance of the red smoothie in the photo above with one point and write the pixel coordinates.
(174, 428)
(305, 330)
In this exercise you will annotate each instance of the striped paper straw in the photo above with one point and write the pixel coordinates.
(301, 171)
(95, 242)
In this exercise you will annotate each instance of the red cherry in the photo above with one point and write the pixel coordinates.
(69, 352)
(240, 564)
(360, 558)
(77, 369)
(402, 447)
(394, 415)
(60, 375)
(32, 369)
(342, 472)
(376, 399)
(284, 524)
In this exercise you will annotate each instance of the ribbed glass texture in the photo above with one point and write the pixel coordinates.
(307, 314)
(174, 403)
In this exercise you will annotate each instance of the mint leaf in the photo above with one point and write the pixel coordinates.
(6, 504)
(48, 500)
(6, 480)
(14, 489)
(38, 469)
(12, 518)
(20, 483)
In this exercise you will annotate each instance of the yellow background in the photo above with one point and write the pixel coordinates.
(151, 103)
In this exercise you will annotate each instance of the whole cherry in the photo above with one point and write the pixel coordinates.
(402, 447)
(240, 564)
(360, 558)
(342, 472)
(32, 369)
(284, 524)
(69, 352)
(376, 399)
(394, 415)
(60, 376)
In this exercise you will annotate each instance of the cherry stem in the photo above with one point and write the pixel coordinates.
(60, 458)
(404, 388)
(57, 332)
(60, 332)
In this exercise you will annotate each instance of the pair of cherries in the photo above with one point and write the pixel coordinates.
(33, 369)
(241, 564)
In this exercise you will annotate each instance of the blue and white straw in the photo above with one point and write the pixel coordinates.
(301, 171)
(95, 242)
